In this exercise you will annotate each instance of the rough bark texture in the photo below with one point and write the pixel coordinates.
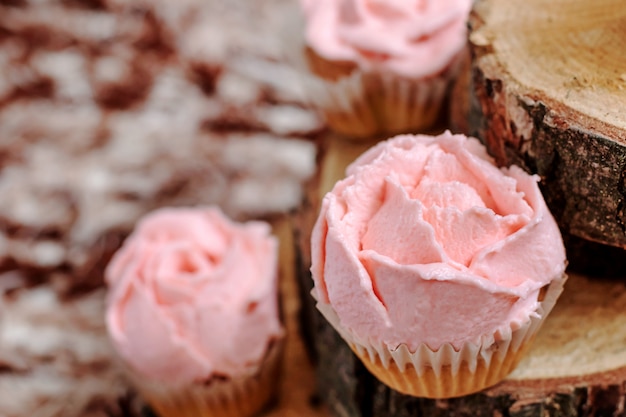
(349, 390)
(580, 158)
(582, 174)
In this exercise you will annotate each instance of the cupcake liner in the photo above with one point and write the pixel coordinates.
(365, 105)
(447, 372)
(362, 105)
(243, 396)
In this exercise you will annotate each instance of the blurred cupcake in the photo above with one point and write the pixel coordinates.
(382, 66)
(434, 265)
(193, 313)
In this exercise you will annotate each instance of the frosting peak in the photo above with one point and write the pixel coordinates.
(412, 38)
(193, 295)
(427, 241)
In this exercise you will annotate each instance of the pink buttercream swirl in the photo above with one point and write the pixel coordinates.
(194, 295)
(427, 241)
(411, 38)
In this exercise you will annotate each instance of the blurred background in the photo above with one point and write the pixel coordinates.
(110, 109)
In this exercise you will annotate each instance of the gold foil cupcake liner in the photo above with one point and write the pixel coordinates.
(447, 372)
(244, 396)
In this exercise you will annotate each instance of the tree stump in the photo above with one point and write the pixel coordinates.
(549, 81)
(576, 367)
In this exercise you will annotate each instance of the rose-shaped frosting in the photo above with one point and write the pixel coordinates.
(427, 241)
(193, 295)
(411, 38)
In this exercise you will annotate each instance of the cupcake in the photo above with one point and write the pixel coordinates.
(193, 313)
(382, 67)
(436, 266)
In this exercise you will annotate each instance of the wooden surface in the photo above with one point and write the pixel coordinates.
(298, 393)
(576, 367)
(549, 90)
(540, 102)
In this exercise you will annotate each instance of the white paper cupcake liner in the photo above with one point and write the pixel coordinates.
(365, 105)
(496, 355)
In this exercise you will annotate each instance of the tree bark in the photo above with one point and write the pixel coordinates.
(549, 84)
(576, 367)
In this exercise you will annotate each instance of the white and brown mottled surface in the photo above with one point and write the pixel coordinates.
(109, 109)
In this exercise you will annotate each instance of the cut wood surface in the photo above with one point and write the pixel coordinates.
(576, 367)
(549, 83)
(298, 394)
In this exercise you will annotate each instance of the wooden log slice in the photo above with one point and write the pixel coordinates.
(549, 80)
(576, 367)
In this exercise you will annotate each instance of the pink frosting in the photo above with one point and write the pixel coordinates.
(426, 241)
(193, 295)
(411, 38)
